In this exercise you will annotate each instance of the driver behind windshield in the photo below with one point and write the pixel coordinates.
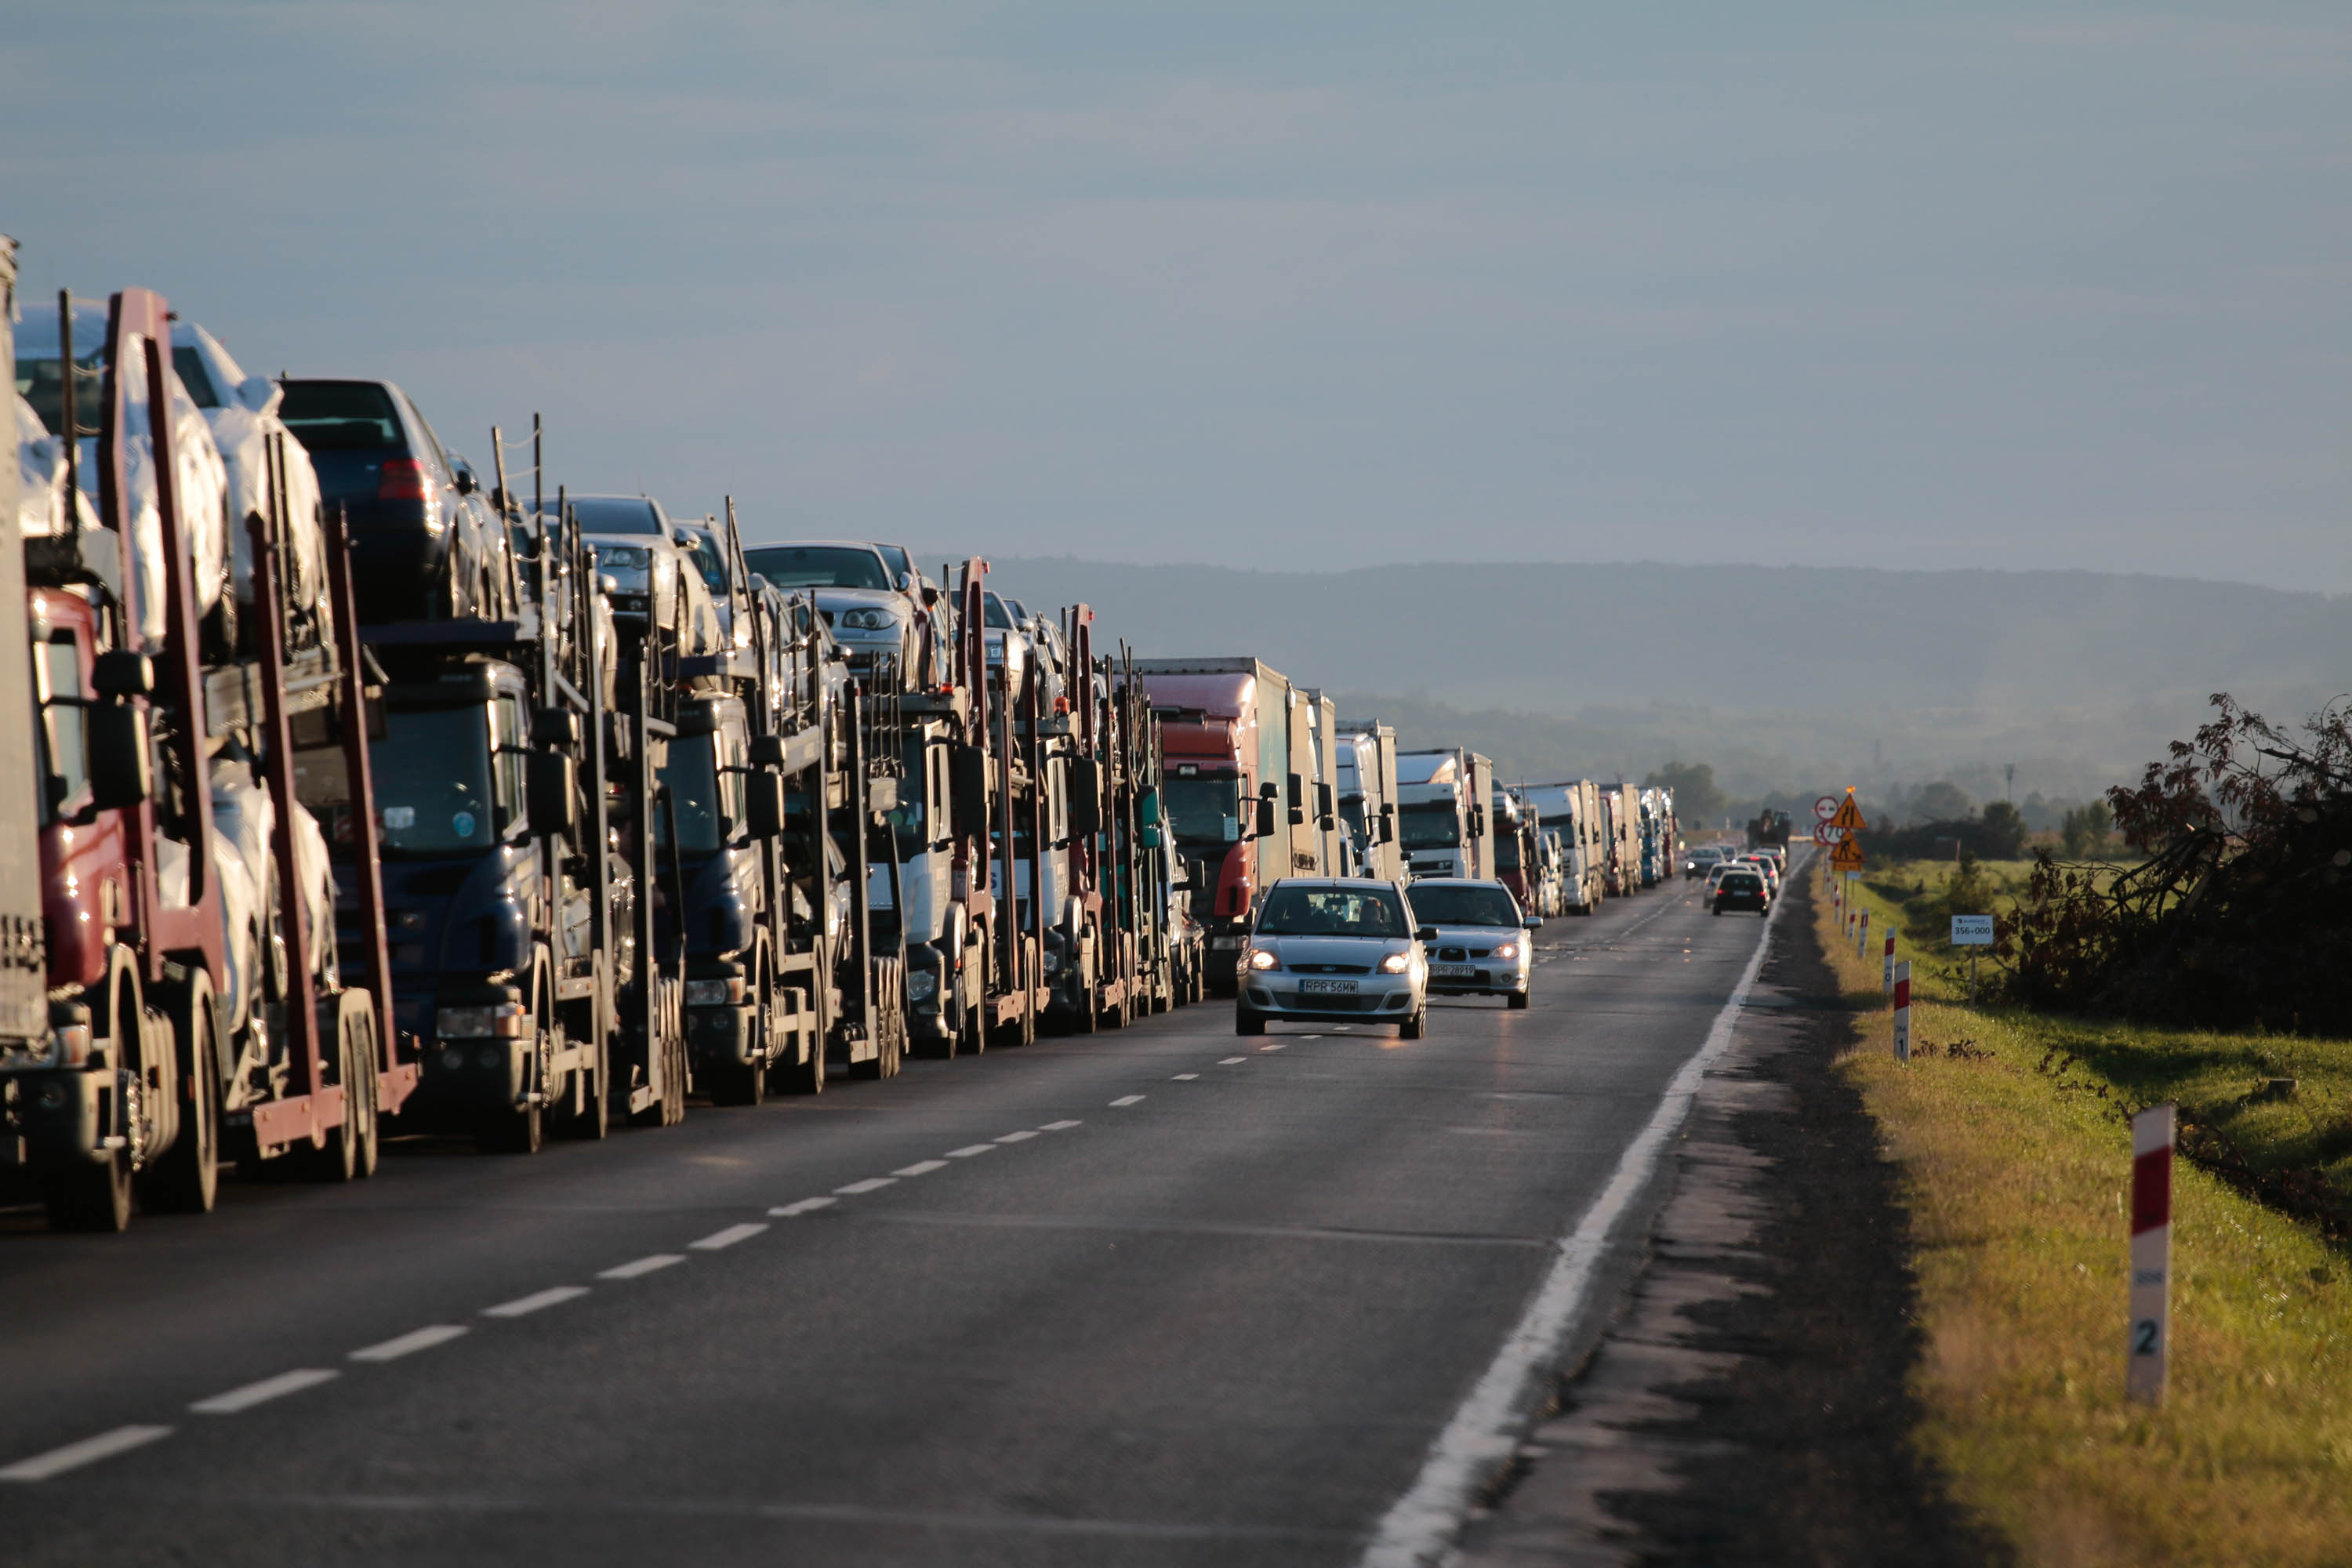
(1330, 911)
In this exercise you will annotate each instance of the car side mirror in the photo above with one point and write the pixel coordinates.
(1425, 933)
(1533, 922)
(462, 479)
(905, 582)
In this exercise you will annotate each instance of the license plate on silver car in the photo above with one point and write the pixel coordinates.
(1453, 971)
(1312, 987)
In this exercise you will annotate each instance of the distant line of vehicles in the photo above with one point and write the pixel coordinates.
(366, 789)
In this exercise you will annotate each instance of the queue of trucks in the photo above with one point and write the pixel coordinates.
(370, 792)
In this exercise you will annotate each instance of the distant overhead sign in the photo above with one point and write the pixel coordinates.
(1971, 931)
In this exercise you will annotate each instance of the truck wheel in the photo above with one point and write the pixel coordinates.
(91, 1198)
(595, 1116)
(187, 1179)
(349, 1152)
(519, 1129)
(743, 1083)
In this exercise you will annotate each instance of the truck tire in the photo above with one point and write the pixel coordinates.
(739, 1083)
(350, 1150)
(520, 1128)
(96, 1195)
(186, 1180)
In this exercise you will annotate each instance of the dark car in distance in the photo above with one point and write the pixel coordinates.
(426, 544)
(1743, 889)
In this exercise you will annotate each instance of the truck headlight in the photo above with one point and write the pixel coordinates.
(727, 993)
(920, 983)
(503, 1021)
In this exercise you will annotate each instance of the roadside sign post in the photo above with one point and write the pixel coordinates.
(1887, 980)
(2150, 1343)
(1902, 1011)
(1972, 931)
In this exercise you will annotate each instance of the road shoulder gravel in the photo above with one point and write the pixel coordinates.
(1750, 1401)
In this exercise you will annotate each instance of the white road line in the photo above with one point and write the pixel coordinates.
(89, 1451)
(1060, 1126)
(262, 1393)
(1184, 1078)
(1128, 1099)
(410, 1343)
(521, 1306)
(870, 1184)
(1485, 1432)
(643, 1266)
(969, 1150)
(1021, 1137)
(719, 1240)
(921, 1168)
(1280, 1044)
(806, 1205)
(1229, 1061)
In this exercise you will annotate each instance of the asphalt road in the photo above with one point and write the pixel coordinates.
(1164, 1296)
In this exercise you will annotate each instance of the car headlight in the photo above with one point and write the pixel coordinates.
(868, 620)
(1396, 964)
(1509, 950)
(504, 1021)
(1260, 958)
(633, 557)
(726, 992)
(920, 983)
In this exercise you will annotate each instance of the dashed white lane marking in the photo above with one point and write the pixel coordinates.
(719, 1240)
(1280, 1044)
(870, 1184)
(1184, 1078)
(969, 1150)
(1060, 1126)
(643, 1266)
(1128, 1099)
(806, 1205)
(921, 1168)
(89, 1451)
(1021, 1137)
(522, 1306)
(410, 1343)
(1231, 1061)
(262, 1393)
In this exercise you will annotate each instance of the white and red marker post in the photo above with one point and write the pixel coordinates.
(1902, 1011)
(2149, 1347)
(1888, 980)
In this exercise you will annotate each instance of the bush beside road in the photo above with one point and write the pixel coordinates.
(2010, 1130)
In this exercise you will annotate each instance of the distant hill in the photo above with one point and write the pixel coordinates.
(1776, 673)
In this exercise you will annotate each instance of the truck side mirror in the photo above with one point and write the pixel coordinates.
(1326, 807)
(122, 766)
(555, 729)
(1388, 824)
(1297, 798)
(968, 790)
(1266, 820)
(552, 793)
(1085, 788)
(122, 674)
(767, 751)
(764, 802)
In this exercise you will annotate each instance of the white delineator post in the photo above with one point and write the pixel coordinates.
(1889, 979)
(1861, 937)
(1902, 1011)
(2151, 1255)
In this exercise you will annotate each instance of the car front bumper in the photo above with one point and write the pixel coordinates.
(1274, 993)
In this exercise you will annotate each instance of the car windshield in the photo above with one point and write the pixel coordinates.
(896, 560)
(616, 514)
(432, 777)
(818, 567)
(707, 559)
(1205, 811)
(1464, 904)
(1430, 826)
(692, 777)
(1331, 911)
(995, 614)
(190, 366)
(341, 415)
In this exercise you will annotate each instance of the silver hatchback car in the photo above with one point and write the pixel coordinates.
(1326, 948)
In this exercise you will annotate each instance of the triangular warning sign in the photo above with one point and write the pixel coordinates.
(1849, 816)
(1847, 855)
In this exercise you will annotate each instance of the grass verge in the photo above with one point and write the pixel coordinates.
(2010, 1131)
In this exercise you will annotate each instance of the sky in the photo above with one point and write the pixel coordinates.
(1277, 285)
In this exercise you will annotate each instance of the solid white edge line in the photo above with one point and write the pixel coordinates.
(554, 1295)
(637, 1268)
(921, 1168)
(89, 1451)
(1127, 1100)
(1422, 1525)
(719, 1240)
(268, 1389)
(409, 1344)
(806, 1205)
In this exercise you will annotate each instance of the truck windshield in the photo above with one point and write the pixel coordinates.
(1464, 905)
(1331, 911)
(1507, 853)
(432, 775)
(1205, 811)
(692, 776)
(1437, 826)
(817, 566)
